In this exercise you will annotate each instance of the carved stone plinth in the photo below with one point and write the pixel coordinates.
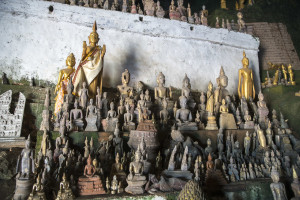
(249, 125)
(178, 174)
(211, 123)
(23, 188)
(147, 131)
(135, 187)
(91, 123)
(109, 125)
(227, 121)
(90, 186)
(174, 15)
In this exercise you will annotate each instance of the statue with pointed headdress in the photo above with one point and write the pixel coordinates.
(90, 69)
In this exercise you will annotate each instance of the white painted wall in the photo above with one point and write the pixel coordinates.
(35, 42)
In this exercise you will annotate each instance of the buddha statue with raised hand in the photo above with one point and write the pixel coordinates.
(90, 69)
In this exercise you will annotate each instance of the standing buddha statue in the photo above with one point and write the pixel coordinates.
(63, 80)
(90, 69)
(246, 84)
(210, 99)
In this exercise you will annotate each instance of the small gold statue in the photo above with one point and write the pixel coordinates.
(63, 80)
(223, 4)
(291, 74)
(65, 193)
(246, 85)
(284, 72)
(90, 69)
(37, 190)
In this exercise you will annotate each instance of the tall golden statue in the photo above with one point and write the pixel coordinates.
(90, 69)
(210, 99)
(246, 85)
(63, 81)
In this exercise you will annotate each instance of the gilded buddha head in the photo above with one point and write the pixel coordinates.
(160, 79)
(245, 60)
(71, 60)
(94, 37)
(210, 86)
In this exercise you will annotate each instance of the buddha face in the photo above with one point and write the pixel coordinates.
(84, 84)
(137, 157)
(112, 105)
(70, 60)
(161, 79)
(93, 39)
(224, 81)
(183, 103)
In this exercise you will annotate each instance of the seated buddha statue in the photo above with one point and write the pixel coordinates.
(63, 80)
(136, 180)
(89, 183)
(90, 69)
(37, 190)
(76, 117)
(124, 89)
(226, 119)
(184, 116)
(117, 169)
(65, 191)
(160, 91)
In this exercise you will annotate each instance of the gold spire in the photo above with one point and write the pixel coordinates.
(95, 27)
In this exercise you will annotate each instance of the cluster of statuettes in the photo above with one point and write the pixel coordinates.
(270, 150)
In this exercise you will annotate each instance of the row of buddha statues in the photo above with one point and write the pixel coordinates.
(239, 5)
(283, 76)
(272, 154)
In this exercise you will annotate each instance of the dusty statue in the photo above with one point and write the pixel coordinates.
(62, 84)
(90, 69)
(246, 84)
(124, 89)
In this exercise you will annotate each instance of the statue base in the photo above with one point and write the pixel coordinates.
(90, 185)
(135, 187)
(23, 188)
(91, 123)
(227, 121)
(109, 125)
(211, 123)
(147, 131)
(178, 174)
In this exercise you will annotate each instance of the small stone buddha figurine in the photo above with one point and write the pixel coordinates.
(210, 99)
(98, 99)
(246, 84)
(191, 19)
(62, 139)
(91, 117)
(241, 22)
(204, 14)
(114, 185)
(186, 91)
(118, 142)
(142, 101)
(247, 143)
(263, 110)
(91, 110)
(208, 149)
(277, 188)
(128, 117)
(76, 117)
(184, 115)
(291, 74)
(136, 180)
(160, 13)
(147, 96)
(111, 113)
(65, 192)
(295, 185)
(222, 82)
(124, 89)
(226, 120)
(25, 165)
(37, 190)
(84, 93)
(161, 91)
(164, 114)
(121, 108)
(197, 19)
(261, 137)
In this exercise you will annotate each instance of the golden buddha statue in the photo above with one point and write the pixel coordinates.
(291, 74)
(261, 137)
(63, 79)
(160, 91)
(90, 69)
(246, 84)
(284, 72)
(223, 4)
(124, 89)
(210, 99)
